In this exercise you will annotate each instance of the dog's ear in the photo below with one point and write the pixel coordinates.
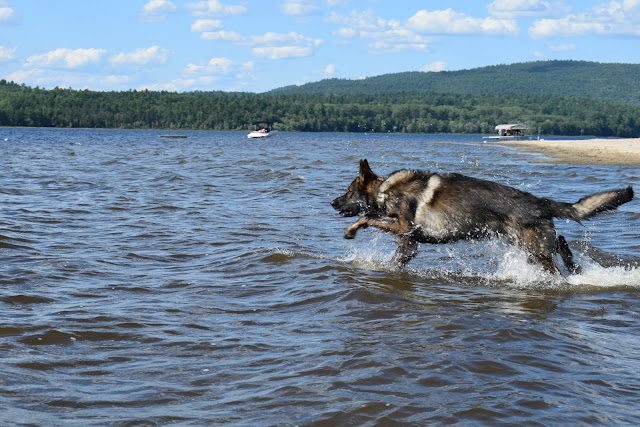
(366, 173)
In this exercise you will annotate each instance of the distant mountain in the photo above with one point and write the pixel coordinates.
(609, 82)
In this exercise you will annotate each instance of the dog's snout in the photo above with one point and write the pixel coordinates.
(336, 203)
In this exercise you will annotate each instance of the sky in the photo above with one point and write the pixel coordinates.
(259, 45)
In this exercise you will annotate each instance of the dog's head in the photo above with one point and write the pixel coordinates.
(362, 193)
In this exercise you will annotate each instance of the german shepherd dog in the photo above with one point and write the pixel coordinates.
(423, 207)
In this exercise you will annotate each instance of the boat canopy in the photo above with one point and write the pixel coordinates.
(511, 129)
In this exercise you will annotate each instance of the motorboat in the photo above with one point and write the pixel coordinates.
(262, 130)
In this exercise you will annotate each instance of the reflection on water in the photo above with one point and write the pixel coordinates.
(206, 281)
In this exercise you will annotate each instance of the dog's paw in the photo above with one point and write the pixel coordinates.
(350, 233)
(574, 269)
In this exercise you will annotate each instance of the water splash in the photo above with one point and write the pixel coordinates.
(596, 275)
(494, 263)
(376, 256)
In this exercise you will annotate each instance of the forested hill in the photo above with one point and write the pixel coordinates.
(550, 97)
(409, 112)
(608, 82)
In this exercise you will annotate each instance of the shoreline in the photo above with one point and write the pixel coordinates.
(596, 151)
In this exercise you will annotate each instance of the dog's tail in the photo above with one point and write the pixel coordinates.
(589, 206)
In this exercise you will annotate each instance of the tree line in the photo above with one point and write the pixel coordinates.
(398, 112)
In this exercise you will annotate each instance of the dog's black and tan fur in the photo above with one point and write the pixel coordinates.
(423, 207)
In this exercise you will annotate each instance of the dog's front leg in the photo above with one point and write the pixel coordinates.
(384, 223)
(353, 228)
(407, 249)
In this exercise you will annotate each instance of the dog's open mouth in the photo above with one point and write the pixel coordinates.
(350, 212)
(347, 210)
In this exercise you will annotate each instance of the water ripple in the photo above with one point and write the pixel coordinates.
(206, 281)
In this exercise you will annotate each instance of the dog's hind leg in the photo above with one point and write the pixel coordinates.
(540, 243)
(567, 257)
(407, 249)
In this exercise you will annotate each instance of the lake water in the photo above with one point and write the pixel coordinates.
(205, 281)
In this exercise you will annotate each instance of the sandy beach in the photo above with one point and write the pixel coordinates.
(625, 151)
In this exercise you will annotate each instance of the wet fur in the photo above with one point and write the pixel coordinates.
(424, 207)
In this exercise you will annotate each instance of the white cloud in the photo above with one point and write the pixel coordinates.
(193, 68)
(279, 39)
(381, 47)
(202, 25)
(519, 8)
(330, 69)
(247, 66)
(562, 47)
(386, 36)
(339, 2)
(7, 53)
(299, 7)
(434, 67)
(218, 71)
(245, 71)
(631, 4)
(27, 76)
(281, 46)
(610, 18)
(345, 33)
(62, 78)
(200, 82)
(366, 21)
(269, 45)
(66, 58)
(219, 66)
(451, 22)
(157, 10)
(229, 36)
(213, 8)
(567, 26)
(184, 84)
(555, 48)
(327, 72)
(8, 15)
(282, 52)
(112, 80)
(395, 40)
(142, 56)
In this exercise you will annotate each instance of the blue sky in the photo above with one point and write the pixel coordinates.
(255, 46)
